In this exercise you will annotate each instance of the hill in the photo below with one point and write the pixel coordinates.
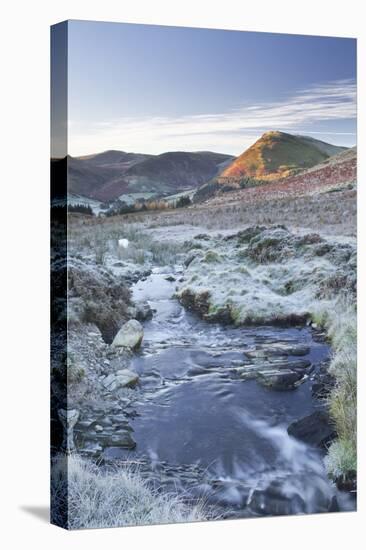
(108, 175)
(277, 154)
(175, 171)
(336, 173)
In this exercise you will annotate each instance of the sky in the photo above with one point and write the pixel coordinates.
(152, 89)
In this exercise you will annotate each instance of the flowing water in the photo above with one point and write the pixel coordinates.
(201, 428)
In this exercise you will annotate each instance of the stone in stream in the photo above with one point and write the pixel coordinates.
(143, 311)
(272, 501)
(299, 365)
(280, 349)
(280, 380)
(129, 336)
(124, 378)
(122, 439)
(315, 429)
(277, 374)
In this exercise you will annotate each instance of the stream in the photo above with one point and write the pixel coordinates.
(203, 429)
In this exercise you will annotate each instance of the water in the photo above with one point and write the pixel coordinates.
(201, 428)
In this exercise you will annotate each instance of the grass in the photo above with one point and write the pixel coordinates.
(95, 497)
(100, 238)
(340, 321)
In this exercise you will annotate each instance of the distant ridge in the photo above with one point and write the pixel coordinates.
(108, 175)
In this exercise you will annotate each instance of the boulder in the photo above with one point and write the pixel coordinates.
(124, 378)
(280, 380)
(129, 336)
(315, 429)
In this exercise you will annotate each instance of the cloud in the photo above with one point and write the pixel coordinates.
(230, 131)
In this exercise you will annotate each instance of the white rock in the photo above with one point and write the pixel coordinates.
(129, 336)
(122, 379)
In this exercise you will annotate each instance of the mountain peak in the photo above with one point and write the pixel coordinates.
(278, 154)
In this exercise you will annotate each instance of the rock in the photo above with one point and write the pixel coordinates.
(124, 378)
(129, 336)
(280, 380)
(143, 311)
(347, 482)
(299, 365)
(122, 439)
(279, 349)
(315, 429)
(273, 502)
(170, 278)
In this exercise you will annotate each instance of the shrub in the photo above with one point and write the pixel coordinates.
(183, 202)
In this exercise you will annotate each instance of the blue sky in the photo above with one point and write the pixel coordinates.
(153, 89)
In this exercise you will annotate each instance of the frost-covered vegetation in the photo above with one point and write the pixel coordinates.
(100, 242)
(341, 325)
(266, 275)
(87, 496)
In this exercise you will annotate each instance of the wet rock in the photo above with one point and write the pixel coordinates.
(299, 365)
(284, 348)
(129, 336)
(280, 380)
(272, 501)
(143, 311)
(122, 439)
(170, 278)
(124, 378)
(315, 429)
(347, 482)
